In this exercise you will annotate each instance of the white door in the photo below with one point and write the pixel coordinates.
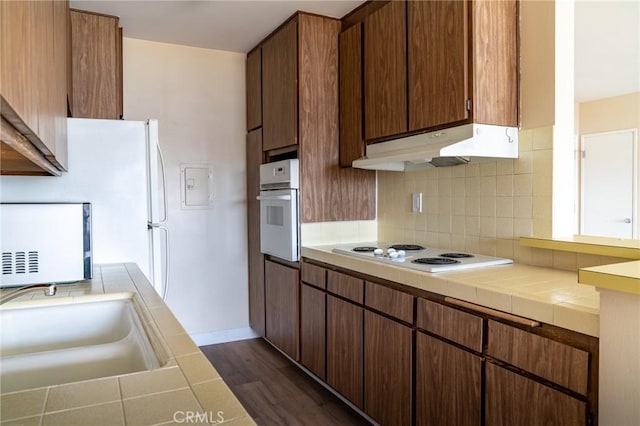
(609, 184)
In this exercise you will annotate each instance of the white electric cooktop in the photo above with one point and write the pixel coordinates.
(426, 259)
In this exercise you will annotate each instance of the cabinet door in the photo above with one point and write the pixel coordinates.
(495, 58)
(388, 370)
(351, 142)
(313, 330)
(280, 88)
(61, 47)
(385, 63)
(256, 259)
(438, 61)
(448, 384)
(19, 94)
(282, 307)
(254, 89)
(344, 348)
(514, 400)
(95, 66)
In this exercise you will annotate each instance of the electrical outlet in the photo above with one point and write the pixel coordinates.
(416, 202)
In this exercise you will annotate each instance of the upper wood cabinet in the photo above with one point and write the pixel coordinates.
(254, 89)
(433, 64)
(351, 138)
(280, 87)
(385, 76)
(300, 118)
(33, 80)
(96, 46)
(438, 40)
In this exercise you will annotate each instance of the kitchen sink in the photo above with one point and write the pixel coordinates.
(50, 342)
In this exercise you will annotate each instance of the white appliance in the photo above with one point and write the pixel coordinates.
(45, 243)
(425, 259)
(116, 166)
(279, 230)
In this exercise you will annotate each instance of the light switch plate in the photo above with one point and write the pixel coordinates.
(416, 202)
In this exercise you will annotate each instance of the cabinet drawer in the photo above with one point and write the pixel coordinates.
(549, 359)
(391, 302)
(346, 286)
(450, 323)
(314, 275)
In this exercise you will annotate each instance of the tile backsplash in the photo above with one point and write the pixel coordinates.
(481, 207)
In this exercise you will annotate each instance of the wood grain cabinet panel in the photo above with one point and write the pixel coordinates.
(448, 384)
(18, 64)
(344, 348)
(352, 144)
(256, 258)
(549, 359)
(495, 62)
(33, 82)
(514, 400)
(254, 89)
(344, 285)
(388, 370)
(389, 301)
(280, 88)
(385, 62)
(313, 330)
(282, 308)
(438, 68)
(300, 116)
(452, 324)
(314, 275)
(95, 43)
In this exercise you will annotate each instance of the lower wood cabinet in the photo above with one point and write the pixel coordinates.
(514, 400)
(445, 365)
(313, 329)
(448, 384)
(344, 348)
(282, 293)
(388, 360)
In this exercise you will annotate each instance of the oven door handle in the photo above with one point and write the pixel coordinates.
(273, 197)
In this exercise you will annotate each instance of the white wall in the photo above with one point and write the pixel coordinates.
(198, 97)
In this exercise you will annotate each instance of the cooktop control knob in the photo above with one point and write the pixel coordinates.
(378, 252)
(390, 250)
(401, 253)
(393, 254)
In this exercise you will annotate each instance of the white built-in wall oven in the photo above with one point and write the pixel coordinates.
(279, 230)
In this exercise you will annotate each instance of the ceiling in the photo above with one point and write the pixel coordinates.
(235, 25)
(607, 33)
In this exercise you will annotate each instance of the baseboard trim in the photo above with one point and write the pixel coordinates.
(223, 336)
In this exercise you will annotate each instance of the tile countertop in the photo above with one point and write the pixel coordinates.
(187, 383)
(547, 295)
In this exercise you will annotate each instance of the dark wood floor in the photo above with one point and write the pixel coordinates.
(273, 390)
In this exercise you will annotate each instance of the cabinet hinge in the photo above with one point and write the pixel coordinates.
(469, 105)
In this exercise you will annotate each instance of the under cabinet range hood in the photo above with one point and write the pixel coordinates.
(447, 147)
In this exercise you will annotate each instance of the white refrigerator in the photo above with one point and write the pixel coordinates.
(116, 166)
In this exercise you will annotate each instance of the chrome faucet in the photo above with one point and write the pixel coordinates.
(49, 290)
